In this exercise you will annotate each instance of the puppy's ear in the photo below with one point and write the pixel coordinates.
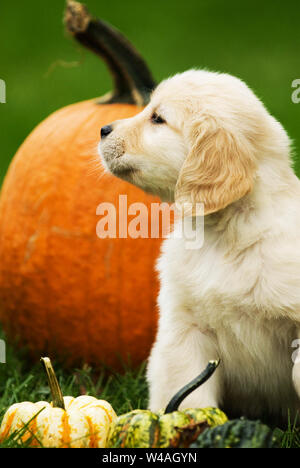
(218, 169)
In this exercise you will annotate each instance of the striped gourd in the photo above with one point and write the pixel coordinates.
(66, 422)
(142, 428)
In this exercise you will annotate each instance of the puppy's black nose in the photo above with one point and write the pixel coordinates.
(106, 130)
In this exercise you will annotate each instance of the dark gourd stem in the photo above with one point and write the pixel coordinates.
(190, 387)
(57, 396)
(132, 78)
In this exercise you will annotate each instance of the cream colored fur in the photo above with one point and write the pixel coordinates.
(237, 297)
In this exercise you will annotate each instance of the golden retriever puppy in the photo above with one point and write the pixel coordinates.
(205, 138)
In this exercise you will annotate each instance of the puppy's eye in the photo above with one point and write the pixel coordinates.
(156, 119)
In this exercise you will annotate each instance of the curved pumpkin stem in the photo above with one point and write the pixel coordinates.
(190, 387)
(56, 393)
(132, 77)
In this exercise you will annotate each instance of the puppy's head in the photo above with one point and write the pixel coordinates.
(198, 141)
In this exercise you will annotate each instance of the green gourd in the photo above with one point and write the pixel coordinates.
(238, 433)
(144, 429)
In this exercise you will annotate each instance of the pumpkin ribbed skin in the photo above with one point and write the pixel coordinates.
(237, 434)
(142, 428)
(64, 291)
(83, 424)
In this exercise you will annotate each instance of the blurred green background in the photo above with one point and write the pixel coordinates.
(256, 40)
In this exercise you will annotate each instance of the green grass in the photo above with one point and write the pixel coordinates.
(291, 437)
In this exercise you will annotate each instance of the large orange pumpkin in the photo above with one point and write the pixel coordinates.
(64, 291)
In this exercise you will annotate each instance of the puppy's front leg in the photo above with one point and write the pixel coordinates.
(177, 357)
